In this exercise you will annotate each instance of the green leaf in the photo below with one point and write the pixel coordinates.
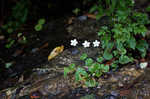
(143, 54)
(101, 32)
(41, 21)
(8, 65)
(123, 59)
(148, 9)
(98, 73)
(94, 8)
(66, 71)
(94, 67)
(100, 13)
(10, 44)
(115, 52)
(132, 42)
(114, 66)
(19, 34)
(76, 11)
(83, 56)
(98, 16)
(24, 16)
(109, 46)
(72, 66)
(142, 46)
(91, 83)
(69, 69)
(100, 59)
(112, 6)
(4, 26)
(106, 68)
(23, 41)
(101, 66)
(38, 27)
(119, 45)
(105, 28)
(107, 55)
(9, 30)
(123, 51)
(78, 76)
(143, 30)
(80, 71)
(105, 40)
(89, 61)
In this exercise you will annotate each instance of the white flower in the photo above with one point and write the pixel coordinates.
(74, 42)
(143, 65)
(86, 44)
(96, 43)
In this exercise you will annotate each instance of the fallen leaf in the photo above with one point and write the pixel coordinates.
(55, 52)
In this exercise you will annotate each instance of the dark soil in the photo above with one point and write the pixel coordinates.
(53, 34)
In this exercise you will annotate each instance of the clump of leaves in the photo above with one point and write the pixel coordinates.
(124, 34)
(125, 31)
(121, 35)
(92, 69)
(76, 11)
(18, 17)
(148, 9)
(10, 43)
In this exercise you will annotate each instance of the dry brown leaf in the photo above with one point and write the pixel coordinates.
(55, 52)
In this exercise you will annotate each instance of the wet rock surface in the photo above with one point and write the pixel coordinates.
(129, 81)
(86, 29)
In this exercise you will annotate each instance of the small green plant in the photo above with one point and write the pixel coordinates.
(124, 34)
(76, 11)
(91, 70)
(39, 26)
(148, 9)
(10, 43)
(18, 17)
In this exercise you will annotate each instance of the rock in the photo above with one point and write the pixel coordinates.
(82, 18)
(84, 29)
(53, 81)
(114, 93)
